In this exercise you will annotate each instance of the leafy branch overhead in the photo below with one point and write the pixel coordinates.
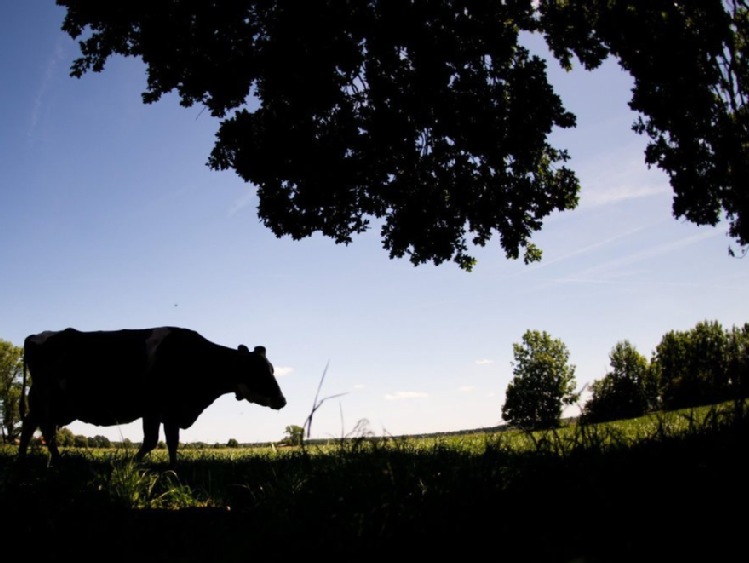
(429, 119)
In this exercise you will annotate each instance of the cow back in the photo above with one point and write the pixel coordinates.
(100, 377)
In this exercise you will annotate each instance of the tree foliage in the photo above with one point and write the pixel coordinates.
(627, 391)
(689, 61)
(65, 437)
(11, 372)
(703, 365)
(543, 382)
(429, 119)
(738, 359)
(294, 435)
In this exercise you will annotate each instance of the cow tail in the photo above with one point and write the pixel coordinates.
(22, 402)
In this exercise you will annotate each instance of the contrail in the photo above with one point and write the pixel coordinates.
(47, 79)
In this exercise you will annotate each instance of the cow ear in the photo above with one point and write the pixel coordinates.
(244, 349)
(260, 350)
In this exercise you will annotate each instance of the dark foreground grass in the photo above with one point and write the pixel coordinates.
(666, 497)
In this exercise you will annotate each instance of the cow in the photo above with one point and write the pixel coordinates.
(166, 375)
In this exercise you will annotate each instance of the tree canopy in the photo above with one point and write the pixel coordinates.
(703, 365)
(11, 371)
(429, 119)
(543, 382)
(690, 63)
(627, 391)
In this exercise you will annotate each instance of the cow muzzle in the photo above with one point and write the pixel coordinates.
(275, 402)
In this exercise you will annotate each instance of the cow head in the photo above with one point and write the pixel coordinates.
(256, 382)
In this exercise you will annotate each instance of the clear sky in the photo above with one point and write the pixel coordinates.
(110, 219)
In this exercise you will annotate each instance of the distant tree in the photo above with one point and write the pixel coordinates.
(708, 346)
(669, 363)
(693, 366)
(430, 120)
(232, 443)
(627, 391)
(11, 373)
(543, 382)
(65, 437)
(80, 441)
(738, 360)
(294, 435)
(99, 441)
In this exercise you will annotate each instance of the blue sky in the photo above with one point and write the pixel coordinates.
(110, 219)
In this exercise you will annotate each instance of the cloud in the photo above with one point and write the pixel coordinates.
(404, 395)
(483, 362)
(466, 388)
(281, 371)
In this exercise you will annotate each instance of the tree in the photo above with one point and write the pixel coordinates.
(543, 382)
(65, 437)
(688, 59)
(232, 443)
(11, 372)
(429, 119)
(693, 366)
(627, 391)
(708, 365)
(100, 441)
(294, 435)
(738, 360)
(80, 441)
(669, 363)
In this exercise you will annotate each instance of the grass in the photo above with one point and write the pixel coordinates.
(666, 487)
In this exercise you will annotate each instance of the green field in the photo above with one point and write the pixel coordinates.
(667, 487)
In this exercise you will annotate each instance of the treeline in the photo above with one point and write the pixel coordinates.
(702, 366)
(65, 438)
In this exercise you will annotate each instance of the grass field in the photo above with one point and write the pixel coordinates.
(661, 488)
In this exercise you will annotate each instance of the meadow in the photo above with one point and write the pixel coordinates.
(670, 486)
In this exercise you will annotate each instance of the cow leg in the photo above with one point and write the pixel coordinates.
(171, 431)
(27, 431)
(49, 432)
(150, 436)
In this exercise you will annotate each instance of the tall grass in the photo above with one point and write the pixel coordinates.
(607, 492)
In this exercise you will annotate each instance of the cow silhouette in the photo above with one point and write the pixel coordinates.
(166, 376)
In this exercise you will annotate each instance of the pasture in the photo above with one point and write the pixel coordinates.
(667, 487)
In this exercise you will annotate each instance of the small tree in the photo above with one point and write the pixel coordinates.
(11, 371)
(544, 381)
(232, 443)
(65, 437)
(100, 441)
(738, 360)
(80, 441)
(294, 435)
(626, 391)
(694, 366)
